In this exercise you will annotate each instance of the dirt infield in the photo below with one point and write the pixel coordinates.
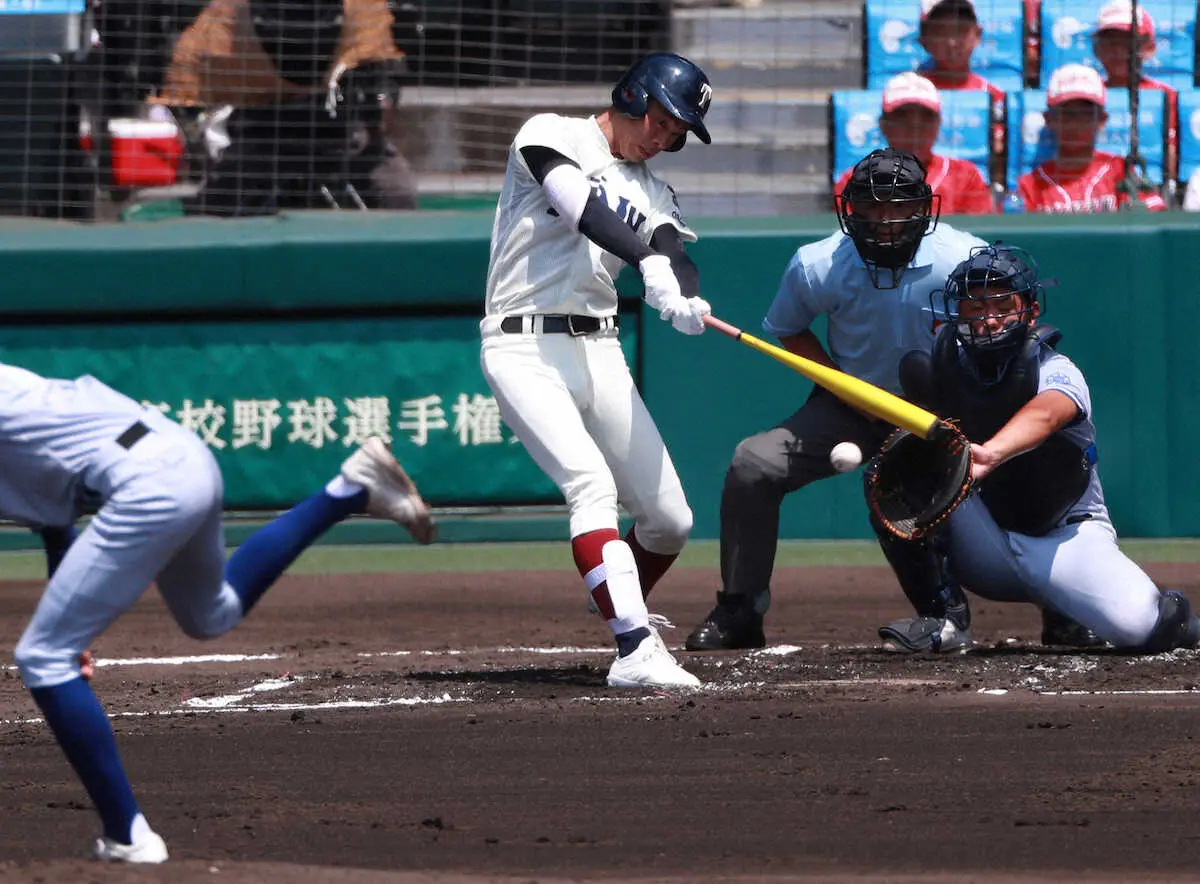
(428, 729)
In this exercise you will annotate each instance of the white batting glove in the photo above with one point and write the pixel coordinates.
(691, 322)
(662, 288)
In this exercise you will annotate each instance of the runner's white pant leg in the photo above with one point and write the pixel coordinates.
(542, 389)
(155, 501)
(647, 483)
(193, 583)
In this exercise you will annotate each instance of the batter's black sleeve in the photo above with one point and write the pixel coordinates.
(666, 241)
(597, 222)
(541, 160)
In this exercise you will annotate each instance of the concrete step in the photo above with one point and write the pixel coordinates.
(763, 131)
(777, 46)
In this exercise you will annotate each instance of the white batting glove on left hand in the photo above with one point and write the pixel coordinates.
(690, 320)
(662, 288)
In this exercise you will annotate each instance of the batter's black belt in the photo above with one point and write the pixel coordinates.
(130, 437)
(573, 324)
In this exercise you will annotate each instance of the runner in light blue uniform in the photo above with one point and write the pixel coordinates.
(65, 444)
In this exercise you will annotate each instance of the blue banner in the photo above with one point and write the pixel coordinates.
(1029, 143)
(893, 28)
(1068, 26)
(41, 7)
(963, 135)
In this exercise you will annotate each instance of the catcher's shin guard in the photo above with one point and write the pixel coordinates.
(920, 567)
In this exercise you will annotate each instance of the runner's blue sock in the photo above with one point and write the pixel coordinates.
(82, 730)
(267, 553)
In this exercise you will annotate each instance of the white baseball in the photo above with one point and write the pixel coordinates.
(845, 456)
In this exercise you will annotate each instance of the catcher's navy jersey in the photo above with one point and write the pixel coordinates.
(870, 329)
(56, 436)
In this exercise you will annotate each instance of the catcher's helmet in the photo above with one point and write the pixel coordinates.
(887, 237)
(993, 274)
(675, 83)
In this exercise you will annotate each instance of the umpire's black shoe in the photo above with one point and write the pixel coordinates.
(733, 625)
(1058, 629)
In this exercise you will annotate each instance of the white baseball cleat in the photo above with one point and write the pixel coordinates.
(650, 666)
(147, 846)
(391, 494)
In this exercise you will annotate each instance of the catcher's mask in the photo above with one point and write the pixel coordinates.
(886, 208)
(992, 299)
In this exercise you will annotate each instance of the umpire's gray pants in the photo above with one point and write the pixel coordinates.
(772, 464)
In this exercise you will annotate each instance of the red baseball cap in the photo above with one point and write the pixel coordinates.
(911, 88)
(1118, 16)
(1076, 81)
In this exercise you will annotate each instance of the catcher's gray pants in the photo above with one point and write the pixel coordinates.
(772, 464)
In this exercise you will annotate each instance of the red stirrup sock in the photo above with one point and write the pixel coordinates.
(588, 551)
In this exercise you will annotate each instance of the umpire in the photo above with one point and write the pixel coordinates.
(872, 279)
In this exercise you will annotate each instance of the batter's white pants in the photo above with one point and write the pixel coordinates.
(572, 403)
(160, 520)
(1076, 569)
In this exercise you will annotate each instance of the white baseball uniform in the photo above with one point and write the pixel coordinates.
(571, 399)
(1077, 567)
(160, 491)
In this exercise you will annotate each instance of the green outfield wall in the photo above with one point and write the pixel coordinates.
(282, 341)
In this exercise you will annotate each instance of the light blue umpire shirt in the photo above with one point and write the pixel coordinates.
(869, 329)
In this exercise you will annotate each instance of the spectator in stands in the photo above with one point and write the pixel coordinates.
(911, 118)
(1078, 178)
(1111, 44)
(950, 33)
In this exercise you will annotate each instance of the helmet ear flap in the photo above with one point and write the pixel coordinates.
(631, 98)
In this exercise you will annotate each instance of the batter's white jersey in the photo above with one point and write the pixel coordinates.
(57, 438)
(539, 264)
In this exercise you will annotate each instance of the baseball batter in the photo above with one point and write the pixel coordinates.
(1038, 529)
(579, 203)
(67, 443)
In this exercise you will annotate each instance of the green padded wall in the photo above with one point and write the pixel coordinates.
(1123, 301)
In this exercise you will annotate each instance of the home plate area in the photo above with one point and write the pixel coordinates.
(457, 727)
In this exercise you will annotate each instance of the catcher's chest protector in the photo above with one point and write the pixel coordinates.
(982, 410)
(1032, 492)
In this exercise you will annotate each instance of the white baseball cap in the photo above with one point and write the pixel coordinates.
(910, 88)
(1072, 81)
(1118, 16)
(928, 6)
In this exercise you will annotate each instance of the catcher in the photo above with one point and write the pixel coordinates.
(1037, 529)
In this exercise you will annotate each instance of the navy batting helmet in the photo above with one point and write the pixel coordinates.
(886, 208)
(992, 298)
(675, 83)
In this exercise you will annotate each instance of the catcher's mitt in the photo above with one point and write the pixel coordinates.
(913, 484)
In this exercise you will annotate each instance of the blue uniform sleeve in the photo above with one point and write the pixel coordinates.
(794, 307)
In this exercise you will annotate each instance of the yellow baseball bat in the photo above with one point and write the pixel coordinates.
(849, 389)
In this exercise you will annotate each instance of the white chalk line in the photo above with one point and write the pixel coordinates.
(242, 700)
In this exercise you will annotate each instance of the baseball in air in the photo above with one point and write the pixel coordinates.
(845, 456)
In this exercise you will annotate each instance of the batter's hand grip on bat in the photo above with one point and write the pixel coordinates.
(849, 389)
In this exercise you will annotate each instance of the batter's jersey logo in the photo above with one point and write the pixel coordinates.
(625, 210)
